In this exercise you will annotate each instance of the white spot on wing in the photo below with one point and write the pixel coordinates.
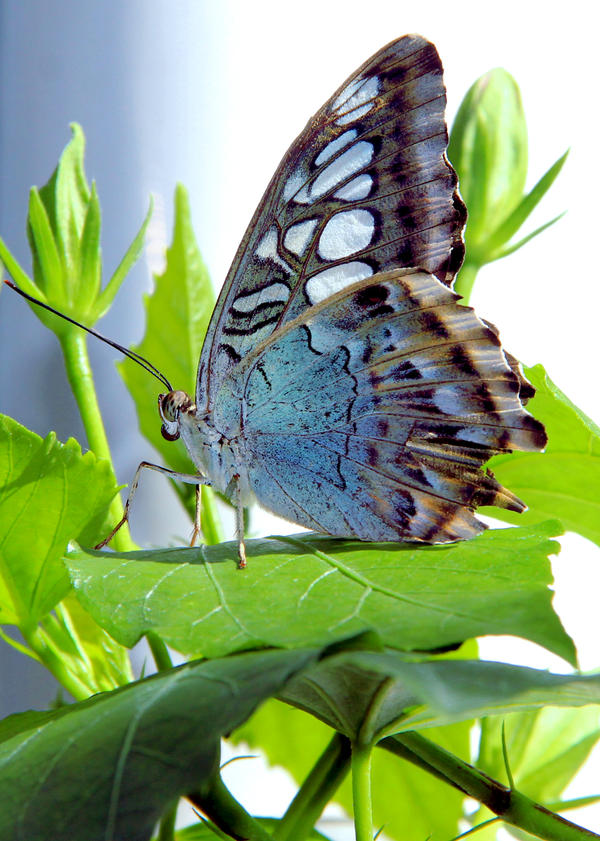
(352, 160)
(356, 100)
(358, 188)
(298, 236)
(332, 148)
(346, 233)
(324, 284)
(270, 294)
(267, 249)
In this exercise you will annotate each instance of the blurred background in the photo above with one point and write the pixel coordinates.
(211, 94)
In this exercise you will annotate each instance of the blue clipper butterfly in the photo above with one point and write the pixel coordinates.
(341, 383)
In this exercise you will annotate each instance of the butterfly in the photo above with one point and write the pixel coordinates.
(341, 384)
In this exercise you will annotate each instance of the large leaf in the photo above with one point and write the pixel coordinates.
(177, 315)
(311, 589)
(108, 767)
(402, 794)
(564, 481)
(377, 694)
(49, 493)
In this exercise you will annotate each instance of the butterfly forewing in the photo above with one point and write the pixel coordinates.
(366, 187)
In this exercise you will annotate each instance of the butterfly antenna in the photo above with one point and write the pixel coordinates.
(148, 366)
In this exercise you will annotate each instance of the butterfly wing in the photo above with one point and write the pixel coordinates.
(366, 187)
(372, 413)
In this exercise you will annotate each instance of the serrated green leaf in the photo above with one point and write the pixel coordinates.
(392, 695)
(50, 494)
(108, 767)
(177, 315)
(312, 589)
(564, 481)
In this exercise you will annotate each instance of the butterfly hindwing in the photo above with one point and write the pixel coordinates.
(373, 413)
(365, 187)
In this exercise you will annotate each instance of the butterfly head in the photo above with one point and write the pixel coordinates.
(170, 407)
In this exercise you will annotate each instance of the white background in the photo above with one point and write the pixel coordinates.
(212, 94)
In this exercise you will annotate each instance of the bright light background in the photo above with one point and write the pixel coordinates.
(212, 94)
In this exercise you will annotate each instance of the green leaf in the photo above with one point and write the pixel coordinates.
(131, 256)
(511, 248)
(312, 589)
(402, 793)
(20, 277)
(49, 271)
(177, 316)
(526, 206)
(94, 658)
(546, 748)
(89, 275)
(392, 695)
(50, 493)
(108, 767)
(564, 481)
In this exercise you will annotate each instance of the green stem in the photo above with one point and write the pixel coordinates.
(510, 805)
(218, 804)
(316, 791)
(166, 827)
(361, 792)
(212, 529)
(160, 652)
(465, 281)
(54, 663)
(81, 379)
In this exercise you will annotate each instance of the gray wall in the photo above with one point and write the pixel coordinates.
(133, 74)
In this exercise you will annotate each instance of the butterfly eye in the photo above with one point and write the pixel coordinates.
(169, 409)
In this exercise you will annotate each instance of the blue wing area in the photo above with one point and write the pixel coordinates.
(372, 414)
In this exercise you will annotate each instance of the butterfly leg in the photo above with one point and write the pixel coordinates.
(234, 488)
(239, 526)
(198, 517)
(189, 478)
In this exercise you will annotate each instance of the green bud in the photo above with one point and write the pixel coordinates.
(488, 148)
(63, 228)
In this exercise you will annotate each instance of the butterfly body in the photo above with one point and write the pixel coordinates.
(341, 383)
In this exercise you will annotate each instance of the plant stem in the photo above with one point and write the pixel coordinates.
(510, 805)
(166, 827)
(218, 804)
(55, 664)
(466, 280)
(316, 791)
(81, 379)
(212, 529)
(361, 792)
(160, 652)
